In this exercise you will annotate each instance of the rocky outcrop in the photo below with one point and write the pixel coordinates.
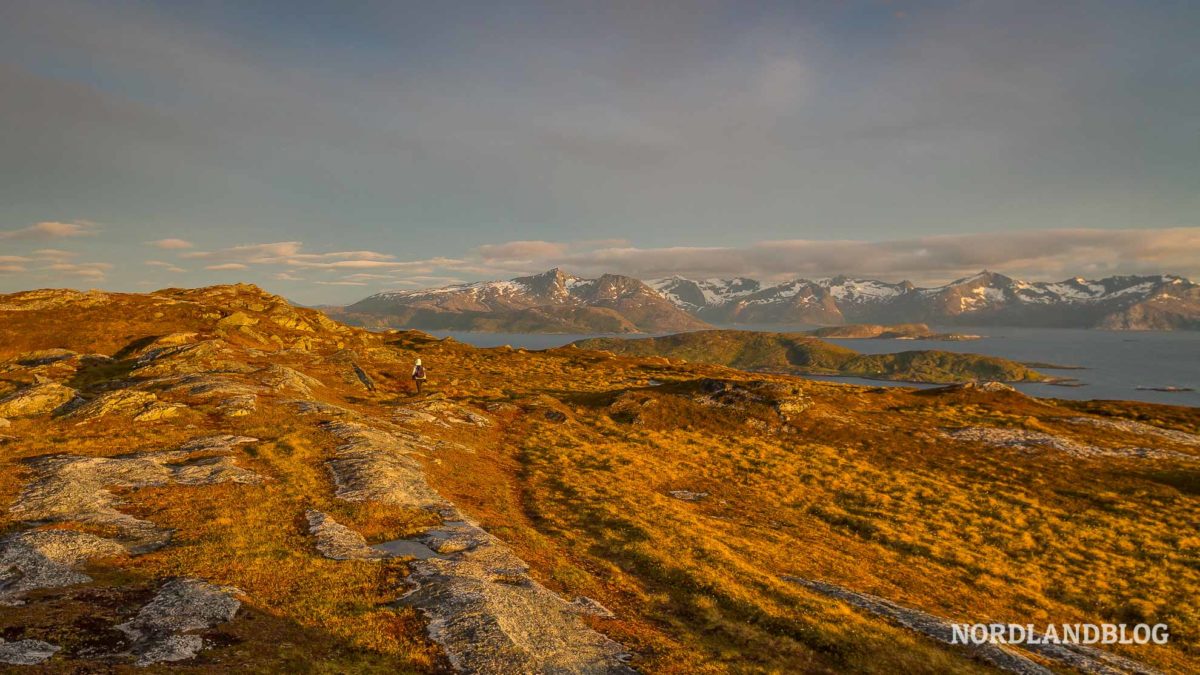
(47, 559)
(441, 412)
(75, 488)
(37, 399)
(1005, 657)
(26, 652)
(282, 377)
(140, 406)
(1139, 428)
(924, 623)
(164, 630)
(338, 542)
(482, 605)
(372, 465)
(1026, 439)
(44, 357)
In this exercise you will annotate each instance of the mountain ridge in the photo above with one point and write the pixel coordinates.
(556, 301)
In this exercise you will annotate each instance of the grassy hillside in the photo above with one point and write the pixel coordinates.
(801, 354)
(686, 498)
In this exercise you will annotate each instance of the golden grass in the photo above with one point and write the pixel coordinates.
(858, 490)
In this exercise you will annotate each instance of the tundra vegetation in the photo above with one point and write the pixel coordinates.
(201, 479)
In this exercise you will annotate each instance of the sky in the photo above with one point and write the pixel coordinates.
(326, 151)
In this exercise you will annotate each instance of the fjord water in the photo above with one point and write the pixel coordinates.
(1115, 363)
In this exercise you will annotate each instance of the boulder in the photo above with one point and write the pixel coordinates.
(37, 399)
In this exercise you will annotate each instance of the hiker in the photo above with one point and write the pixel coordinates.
(418, 375)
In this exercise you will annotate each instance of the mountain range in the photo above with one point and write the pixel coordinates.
(556, 301)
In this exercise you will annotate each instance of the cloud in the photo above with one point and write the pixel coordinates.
(522, 250)
(170, 267)
(96, 271)
(340, 283)
(291, 254)
(286, 276)
(170, 244)
(55, 254)
(1032, 253)
(51, 230)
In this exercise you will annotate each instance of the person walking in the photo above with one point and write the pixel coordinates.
(418, 375)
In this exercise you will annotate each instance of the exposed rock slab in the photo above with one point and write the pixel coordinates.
(338, 542)
(75, 488)
(282, 377)
(1006, 657)
(373, 465)
(482, 605)
(26, 652)
(1026, 439)
(37, 399)
(1133, 427)
(441, 412)
(164, 629)
(141, 406)
(47, 559)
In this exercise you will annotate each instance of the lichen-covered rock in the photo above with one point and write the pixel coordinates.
(37, 399)
(442, 412)
(1026, 439)
(163, 630)
(47, 559)
(482, 605)
(1140, 428)
(282, 377)
(44, 357)
(375, 465)
(26, 652)
(141, 406)
(237, 320)
(238, 406)
(338, 542)
(74, 488)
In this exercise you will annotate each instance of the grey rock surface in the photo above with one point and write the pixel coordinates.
(47, 559)
(1005, 657)
(338, 542)
(26, 652)
(75, 488)
(163, 630)
(1026, 439)
(483, 607)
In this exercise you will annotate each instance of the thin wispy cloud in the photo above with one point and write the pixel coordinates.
(94, 271)
(164, 265)
(50, 230)
(171, 244)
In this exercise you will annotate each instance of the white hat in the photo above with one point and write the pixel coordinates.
(418, 362)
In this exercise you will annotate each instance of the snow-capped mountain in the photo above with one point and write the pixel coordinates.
(987, 298)
(553, 301)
